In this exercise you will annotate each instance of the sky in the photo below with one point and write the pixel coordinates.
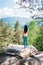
(9, 8)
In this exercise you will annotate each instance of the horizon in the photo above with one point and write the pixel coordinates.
(22, 21)
(13, 20)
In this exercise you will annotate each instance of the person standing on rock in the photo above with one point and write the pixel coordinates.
(25, 36)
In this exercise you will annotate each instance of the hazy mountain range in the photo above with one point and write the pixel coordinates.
(12, 20)
(22, 21)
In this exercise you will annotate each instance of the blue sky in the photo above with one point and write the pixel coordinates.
(6, 3)
(9, 8)
(2, 3)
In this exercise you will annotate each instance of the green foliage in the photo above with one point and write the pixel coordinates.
(3, 46)
(6, 35)
(10, 35)
(33, 31)
(39, 40)
(17, 26)
(35, 36)
(18, 38)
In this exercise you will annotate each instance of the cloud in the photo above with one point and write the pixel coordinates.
(38, 13)
(16, 12)
(9, 12)
(22, 13)
(16, 0)
(5, 12)
(26, 4)
(1, 13)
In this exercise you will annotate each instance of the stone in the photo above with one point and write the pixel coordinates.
(30, 56)
(11, 61)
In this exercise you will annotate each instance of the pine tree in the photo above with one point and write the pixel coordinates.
(18, 37)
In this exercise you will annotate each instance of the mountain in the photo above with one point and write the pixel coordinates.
(12, 20)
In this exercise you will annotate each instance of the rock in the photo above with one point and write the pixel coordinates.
(40, 56)
(11, 61)
(12, 49)
(30, 55)
(34, 60)
(17, 47)
(33, 50)
(30, 50)
(25, 53)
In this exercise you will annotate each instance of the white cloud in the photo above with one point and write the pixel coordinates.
(22, 13)
(9, 12)
(37, 13)
(5, 12)
(26, 4)
(34, 12)
(16, 0)
(16, 12)
(1, 13)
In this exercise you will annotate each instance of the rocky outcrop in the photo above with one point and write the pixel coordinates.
(11, 61)
(37, 60)
(26, 56)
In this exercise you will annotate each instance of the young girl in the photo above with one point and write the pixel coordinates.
(25, 35)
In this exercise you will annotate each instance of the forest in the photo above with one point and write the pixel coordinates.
(13, 35)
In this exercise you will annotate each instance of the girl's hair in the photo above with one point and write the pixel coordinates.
(25, 28)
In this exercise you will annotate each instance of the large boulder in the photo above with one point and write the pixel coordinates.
(20, 50)
(30, 55)
(12, 49)
(35, 60)
(11, 61)
(28, 51)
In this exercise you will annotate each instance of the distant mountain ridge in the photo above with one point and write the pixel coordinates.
(12, 20)
(22, 21)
